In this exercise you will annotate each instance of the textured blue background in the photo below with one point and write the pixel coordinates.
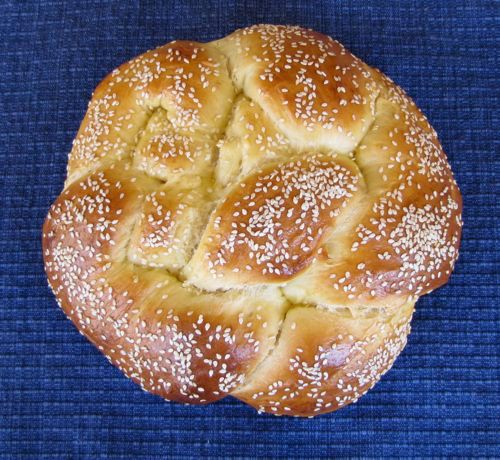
(60, 398)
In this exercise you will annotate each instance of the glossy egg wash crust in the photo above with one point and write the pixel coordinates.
(254, 216)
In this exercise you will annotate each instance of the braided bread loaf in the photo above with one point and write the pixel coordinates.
(254, 216)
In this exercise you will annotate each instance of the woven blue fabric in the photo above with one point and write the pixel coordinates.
(59, 398)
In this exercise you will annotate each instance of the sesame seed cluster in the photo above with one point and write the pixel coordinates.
(254, 217)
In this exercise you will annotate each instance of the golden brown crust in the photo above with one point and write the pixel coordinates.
(250, 141)
(168, 227)
(188, 80)
(255, 216)
(324, 361)
(316, 92)
(165, 153)
(172, 340)
(270, 226)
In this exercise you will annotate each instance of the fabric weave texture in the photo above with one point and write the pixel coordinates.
(59, 397)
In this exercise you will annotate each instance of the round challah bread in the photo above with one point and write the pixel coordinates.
(254, 216)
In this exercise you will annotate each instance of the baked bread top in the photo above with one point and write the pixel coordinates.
(253, 216)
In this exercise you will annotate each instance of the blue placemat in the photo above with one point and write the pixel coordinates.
(59, 398)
